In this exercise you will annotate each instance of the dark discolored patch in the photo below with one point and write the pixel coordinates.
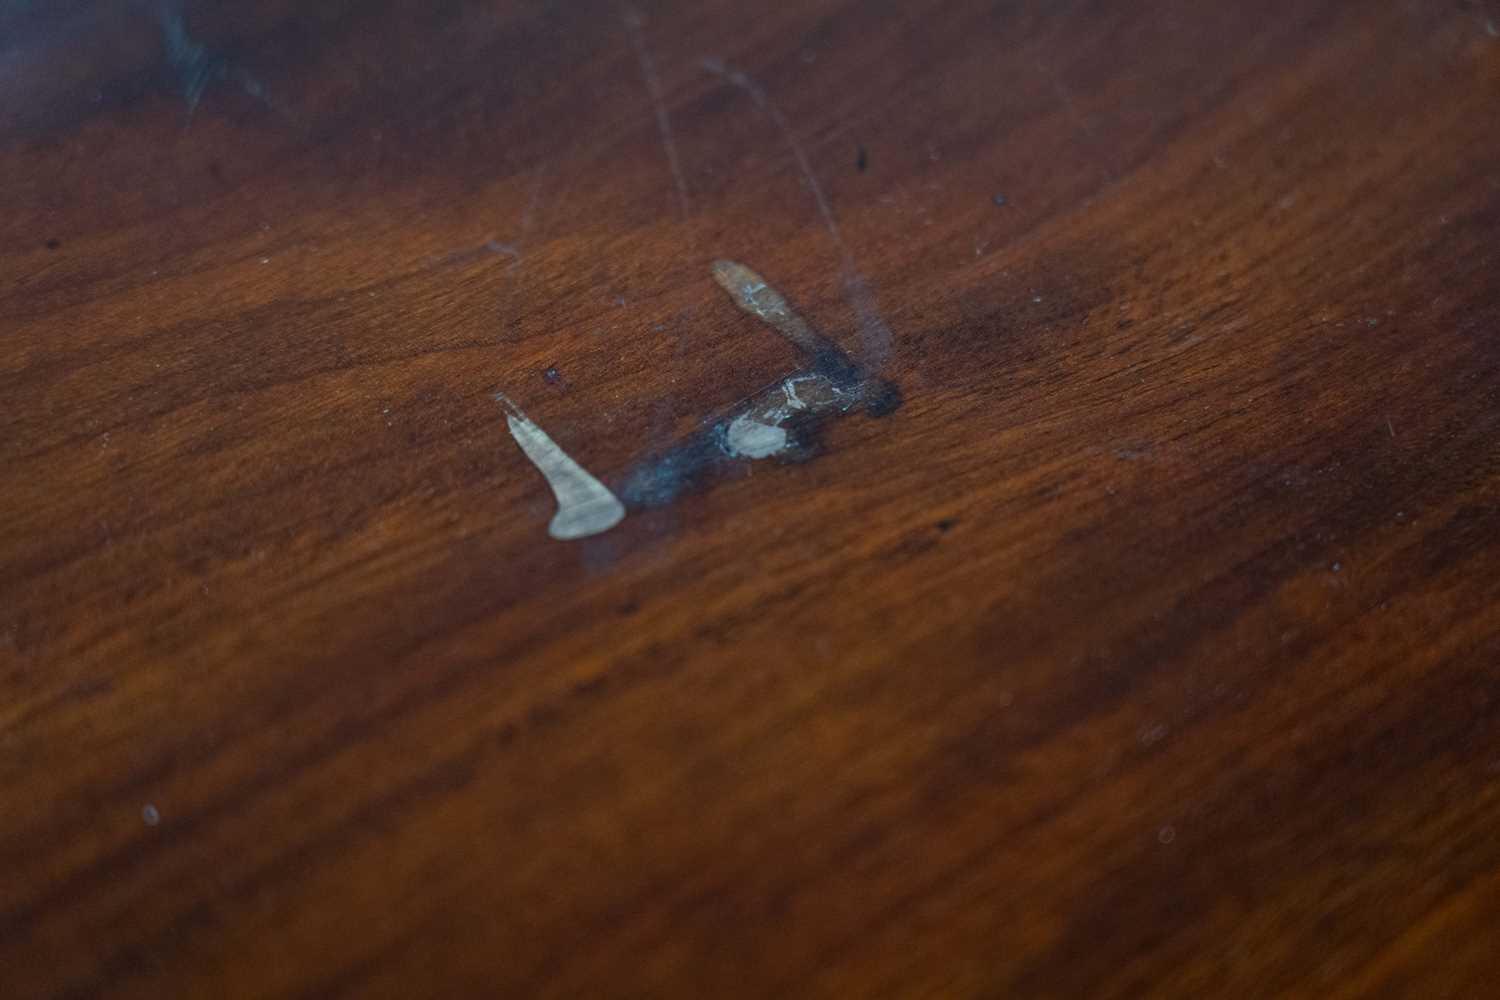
(862, 160)
(54, 244)
(661, 478)
(789, 414)
(997, 322)
(882, 397)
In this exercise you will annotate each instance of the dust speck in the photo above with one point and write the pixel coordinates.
(150, 816)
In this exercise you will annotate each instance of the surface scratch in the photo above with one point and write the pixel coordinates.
(782, 420)
(196, 66)
(857, 291)
(635, 28)
(585, 506)
(514, 251)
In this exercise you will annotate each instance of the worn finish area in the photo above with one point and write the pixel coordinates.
(1023, 482)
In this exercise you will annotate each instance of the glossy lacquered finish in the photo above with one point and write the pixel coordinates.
(1136, 634)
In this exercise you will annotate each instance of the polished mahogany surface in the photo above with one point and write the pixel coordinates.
(1115, 611)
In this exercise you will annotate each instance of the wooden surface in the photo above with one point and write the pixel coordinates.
(1149, 646)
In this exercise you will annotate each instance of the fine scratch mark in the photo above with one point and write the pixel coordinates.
(533, 201)
(506, 249)
(528, 219)
(751, 293)
(782, 420)
(634, 27)
(857, 291)
(515, 251)
(585, 506)
(196, 66)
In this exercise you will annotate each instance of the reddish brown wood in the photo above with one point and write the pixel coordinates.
(1149, 647)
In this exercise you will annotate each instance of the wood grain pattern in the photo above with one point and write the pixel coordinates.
(1149, 647)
